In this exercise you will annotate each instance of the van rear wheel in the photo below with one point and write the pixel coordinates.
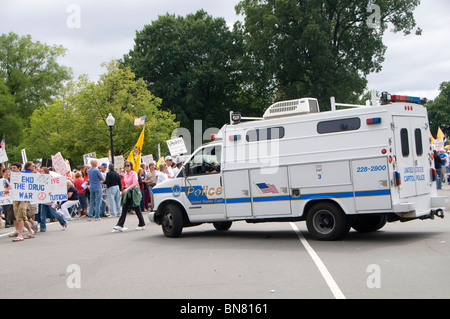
(222, 226)
(326, 221)
(369, 223)
(172, 221)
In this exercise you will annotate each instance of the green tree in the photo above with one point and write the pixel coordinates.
(75, 123)
(30, 77)
(318, 48)
(439, 110)
(191, 62)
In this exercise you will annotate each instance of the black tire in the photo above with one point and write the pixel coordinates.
(326, 221)
(172, 221)
(222, 226)
(369, 223)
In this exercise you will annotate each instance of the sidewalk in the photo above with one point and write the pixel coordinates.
(445, 191)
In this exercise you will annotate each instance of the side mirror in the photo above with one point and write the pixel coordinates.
(186, 170)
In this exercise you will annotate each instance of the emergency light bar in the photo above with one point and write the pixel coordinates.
(375, 120)
(387, 98)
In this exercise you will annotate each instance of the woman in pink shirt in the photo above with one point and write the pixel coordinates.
(131, 195)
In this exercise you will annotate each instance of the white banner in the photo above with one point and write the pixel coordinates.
(58, 187)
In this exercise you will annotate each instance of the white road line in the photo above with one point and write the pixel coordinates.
(24, 230)
(320, 265)
(4, 235)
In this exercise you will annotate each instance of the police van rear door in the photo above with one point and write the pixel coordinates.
(412, 162)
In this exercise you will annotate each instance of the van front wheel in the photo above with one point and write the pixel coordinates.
(326, 221)
(172, 221)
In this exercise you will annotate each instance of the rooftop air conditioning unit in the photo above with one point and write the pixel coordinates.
(293, 107)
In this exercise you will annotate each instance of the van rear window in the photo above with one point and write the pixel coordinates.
(342, 125)
(405, 142)
(419, 144)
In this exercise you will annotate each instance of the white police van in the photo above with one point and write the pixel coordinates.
(358, 167)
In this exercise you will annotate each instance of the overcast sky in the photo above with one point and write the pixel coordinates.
(105, 30)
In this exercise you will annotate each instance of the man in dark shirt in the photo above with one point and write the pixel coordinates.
(114, 185)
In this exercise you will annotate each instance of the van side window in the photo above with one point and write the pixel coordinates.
(419, 144)
(206, 161)
(342, 125)
(271, 133)
(405, 142)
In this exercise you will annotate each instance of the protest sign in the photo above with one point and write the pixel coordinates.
(103, 160)
(439, 145)
(4, 198)
(147, 159)
(59, 164)
(176, 146)
(24, 156)
(58, 187)
(88, 157)
(3, 156)
(119, 162)
(34, 188)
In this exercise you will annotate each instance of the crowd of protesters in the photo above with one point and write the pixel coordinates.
(442, 165)
(94, 191)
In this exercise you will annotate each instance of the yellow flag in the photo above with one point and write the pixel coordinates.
(440, 135)
(432, 139)
(135, 154)
(160, 161)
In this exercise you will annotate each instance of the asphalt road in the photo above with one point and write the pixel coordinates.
(262, 261)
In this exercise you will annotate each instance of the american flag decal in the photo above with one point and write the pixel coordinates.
(267, 188)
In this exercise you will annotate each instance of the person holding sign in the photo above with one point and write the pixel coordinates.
(20, 209)
(49, 207)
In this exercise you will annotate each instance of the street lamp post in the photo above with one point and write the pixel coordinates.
(110, 120)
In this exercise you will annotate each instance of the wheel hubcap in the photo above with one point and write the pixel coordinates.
(324, 222)
(167, 222)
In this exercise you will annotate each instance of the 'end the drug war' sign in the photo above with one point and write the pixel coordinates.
(34, 188)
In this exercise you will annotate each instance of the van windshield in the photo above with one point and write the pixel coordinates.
(206, 161)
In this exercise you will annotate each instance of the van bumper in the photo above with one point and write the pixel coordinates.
(438, 201)
(151, 217)
(409, 209)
